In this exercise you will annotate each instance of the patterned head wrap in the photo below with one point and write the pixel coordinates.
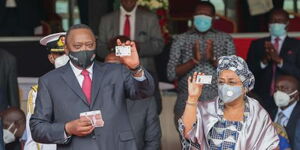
(239, 66)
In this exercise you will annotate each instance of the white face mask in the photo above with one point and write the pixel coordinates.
(228, 93)
(61, 61)
(8, 136)
(283, 99)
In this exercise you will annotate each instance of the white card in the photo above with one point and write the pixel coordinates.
(204, 79)
(123, 50)
(95, 117)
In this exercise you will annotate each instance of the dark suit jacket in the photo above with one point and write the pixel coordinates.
(290, 53)
(291, 125)
(60, 99)
(9, 92)
(1, 136)
(147, 35)
(297, 136)
(145, 123)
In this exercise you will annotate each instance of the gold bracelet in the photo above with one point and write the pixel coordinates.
(191, 103)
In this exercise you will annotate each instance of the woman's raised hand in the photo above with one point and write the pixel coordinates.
(194, 89)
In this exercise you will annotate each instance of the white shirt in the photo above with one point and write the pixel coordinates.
(132, 14)
(10, 4)
(287, 114)
(80, 77)
(78, 74)
(282, 38)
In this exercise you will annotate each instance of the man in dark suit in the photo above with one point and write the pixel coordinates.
(1, 136)
(297, 136)
(145, 123)
(286, 98)
(139, 25)
(273, 56)
(85, 85)
(142, 113)
(9, 92)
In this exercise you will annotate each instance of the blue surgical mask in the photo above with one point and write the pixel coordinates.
(202, 22)
(277, 29)
(228, 93)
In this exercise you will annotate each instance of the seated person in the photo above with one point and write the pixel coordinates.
(143, 115)
(230, 121)
(286, 98)
(284, 143)
(297, 136)
(14, 122)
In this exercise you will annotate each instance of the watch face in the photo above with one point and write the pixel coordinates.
(137, 70)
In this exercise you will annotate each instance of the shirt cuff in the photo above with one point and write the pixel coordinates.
(280, 64)
(66, 137)
(141, 78)
(262, 65)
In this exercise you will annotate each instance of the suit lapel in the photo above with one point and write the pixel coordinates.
(273, 114)
(116, 28)
(294, 116)
(284, 46)
(138, 23)
(72, 82)
(98, 73)
(267, 39)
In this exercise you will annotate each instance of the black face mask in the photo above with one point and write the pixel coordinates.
(83, 58)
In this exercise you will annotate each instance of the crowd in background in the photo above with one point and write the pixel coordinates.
(273, 82)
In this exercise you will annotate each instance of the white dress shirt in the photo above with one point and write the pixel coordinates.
(123, 14)
(78, 74)
(282, 38)
(80, 77)
(287, 114)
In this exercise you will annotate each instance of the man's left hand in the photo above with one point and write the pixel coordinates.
(274, 55)
(133, 60)
(209, 50)
(210, 56)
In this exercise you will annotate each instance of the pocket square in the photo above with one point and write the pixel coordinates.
(290, 52)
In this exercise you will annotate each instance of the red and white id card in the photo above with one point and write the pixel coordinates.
(95, 117)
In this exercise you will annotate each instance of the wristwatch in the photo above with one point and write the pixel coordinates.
(137, 69)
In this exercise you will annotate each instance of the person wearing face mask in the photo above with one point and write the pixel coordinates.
(14, 123)
(85, 85)
(145, 123)
(273, 56)
(54, 43)
(197, 50)
(139, 25)
(286, 98)
(230, 121)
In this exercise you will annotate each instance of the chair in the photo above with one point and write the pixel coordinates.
(224, 24)
(294, 23)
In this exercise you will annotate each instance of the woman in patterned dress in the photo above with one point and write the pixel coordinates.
(232, 121)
